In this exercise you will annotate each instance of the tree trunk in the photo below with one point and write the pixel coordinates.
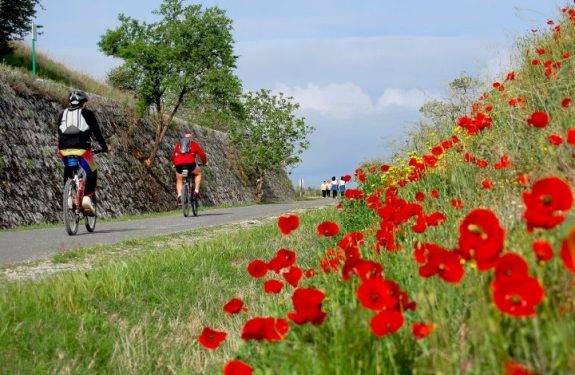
(259, 194)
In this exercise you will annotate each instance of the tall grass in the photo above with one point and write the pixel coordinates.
(49, 69)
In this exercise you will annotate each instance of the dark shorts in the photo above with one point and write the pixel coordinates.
(189, 167)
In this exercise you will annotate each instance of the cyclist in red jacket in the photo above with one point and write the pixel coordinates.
(184, 157)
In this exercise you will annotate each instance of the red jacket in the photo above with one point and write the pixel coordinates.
(190, 157)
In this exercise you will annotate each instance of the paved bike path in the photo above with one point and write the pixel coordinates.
(37, 243)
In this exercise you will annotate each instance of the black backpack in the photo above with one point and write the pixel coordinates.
(185, 145)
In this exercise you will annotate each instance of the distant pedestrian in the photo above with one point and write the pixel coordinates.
(322, 188)
(342, 186)
(334, 187)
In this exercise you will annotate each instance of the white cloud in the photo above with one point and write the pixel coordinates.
(348, 100)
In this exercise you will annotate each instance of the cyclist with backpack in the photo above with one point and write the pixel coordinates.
(76, 124)
(184, 157)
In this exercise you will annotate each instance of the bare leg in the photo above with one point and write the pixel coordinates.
(198, 177)
(179, 183)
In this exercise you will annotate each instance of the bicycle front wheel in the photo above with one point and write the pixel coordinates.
(90, 219)
(71, 219)
(186, 199)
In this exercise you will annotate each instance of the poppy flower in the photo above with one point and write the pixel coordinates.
(384, 168)
(502, 163)
(456, 203)
(514, 368)
(293, 276)
(435, 219)
(568, 251)
(437, 150)
(386, 322)
(535, 62)
(211, 339)
(539, 119)
(566, 55)
(545, 204)
(481, 163)
(434, 193)
(307, 305)
(422, 330)
(566, 102)
(284, 258)
(543, 250)
(570, 137)
(269, 328)
(257, 268)
(518, 298)
(419, 196)
(486, 184)
(555, 140)
(522, 178)
(481, 238)
(328, 229)
(346, 178)
(273, 286)
(510, 76)
(510, 267)
(288, 224)
(234, 306)
(377, 294)
(540, 51)
(438, 261)
(365, 269)
(237, 367)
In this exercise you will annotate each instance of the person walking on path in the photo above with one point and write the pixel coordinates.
(342, 186)
(334, 187)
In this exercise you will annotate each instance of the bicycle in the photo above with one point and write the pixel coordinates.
(73, 194)
(188, 198)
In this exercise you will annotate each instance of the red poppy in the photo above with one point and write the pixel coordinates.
(487, 184)
(555, 139)
(434, 193)
(346, 178)
(566, 102)
(570, 138)
(377, 294)
(540, 51)
(543, 250)
(307, 305)
(365, 269)
(270, 329)
(439, 261)
(510, 76)
(481, 238)
(309, 273)
(293, 276)
(237, 367)
(502, 163)
(211, 339)
(273, 286)
(284, 258)
(456, 203)
(509, 268)
(419, 196)
(522, 178)
(514, 368)
(437, 150)
(435, 219)
(535, 62)
(568, 251)
(328, 229)
(545, 204)
(353, 194)
(234, 306)
(481, 163)
(422, 330)
(566, 55)
(288, 223)
(257, 268)
(519, 297)
(386, 322)
(539, 119)
(384, 168)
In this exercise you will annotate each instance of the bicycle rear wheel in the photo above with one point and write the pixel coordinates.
(90, 219)
(71, 219)
(194, 204)
(186, 199)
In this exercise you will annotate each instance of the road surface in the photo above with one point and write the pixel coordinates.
(17, 246)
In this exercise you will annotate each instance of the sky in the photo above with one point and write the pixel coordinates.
(359, 69)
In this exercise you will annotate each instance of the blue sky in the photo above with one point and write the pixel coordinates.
(360, 69)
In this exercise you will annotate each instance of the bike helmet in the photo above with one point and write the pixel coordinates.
(77, 97)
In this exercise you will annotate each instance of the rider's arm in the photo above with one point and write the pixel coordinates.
(175, 153)
(196, 149)
(94, 127)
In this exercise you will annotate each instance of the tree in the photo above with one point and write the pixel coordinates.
(15, 21)
(186, 55)
(271, 137)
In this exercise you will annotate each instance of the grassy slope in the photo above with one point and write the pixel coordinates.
(143, 315)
